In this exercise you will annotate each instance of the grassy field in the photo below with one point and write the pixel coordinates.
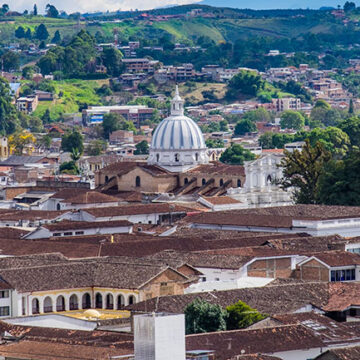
(194, 93)
(69, 94)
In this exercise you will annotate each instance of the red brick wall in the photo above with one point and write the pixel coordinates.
(271, 268)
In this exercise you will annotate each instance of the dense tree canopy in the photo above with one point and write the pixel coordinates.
(8, 116)
(201, 317)
(302, 170)
(244, 126)
(292, 120)
(244, 83)
(236, 155)
(241, 315)
(72, 141)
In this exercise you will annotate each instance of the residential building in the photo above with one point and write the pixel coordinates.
(284, 104)
(27, 104)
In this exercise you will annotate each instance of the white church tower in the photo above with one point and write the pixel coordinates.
(178, 143)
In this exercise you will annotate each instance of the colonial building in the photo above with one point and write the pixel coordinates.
(179, 164)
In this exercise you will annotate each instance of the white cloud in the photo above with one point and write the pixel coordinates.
(94, 5)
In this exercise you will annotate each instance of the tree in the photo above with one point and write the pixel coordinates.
(244, 83)
(35, 11)
(112, 122)
(213, 144)
(349, 6)
(142, 148)
(292, 120)
(236, 155)
(19, 140)
(340, 182)
(241, 315)
(28, 72)
(334, 140)
(322, 104)
(46, 141)
(351, 126)
(51, 11)
(36, 125)
(41, 32)
(266, 140)
(302, 170)
(111, 58)
(4, 9)
(28, 34)
(96, 147)
(8, 117)
(351, 107)
(10, 61)
(244, 126)
(322, 116)
(57, 38)
(20, 32)
(260, 114)
(202, 317)
(224, 125)
(69, 167)
(46, 118)
(72, 140)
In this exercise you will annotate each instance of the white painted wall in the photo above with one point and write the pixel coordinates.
(305, 354)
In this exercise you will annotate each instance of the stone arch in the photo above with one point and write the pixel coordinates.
(131, 300)
(86, 301)
(60, 303)
(35, 306)
(48, 305)
(268, 179)
(109, 301)
(137, 181)
(74, 302)
(98, 301)
(120, 301)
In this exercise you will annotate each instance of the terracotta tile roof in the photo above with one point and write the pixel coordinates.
(40, 350)
(65, 194)
(200, 259)
(218, 168)
(255, 357)
(267, 340)
(31, 215)
(79, 225)
(7, 232)
(277, 299)
(79, 274)
(91, 197)
(338, 258)
(346, 353)
(123, 167)
(221, 200)
(342, 295)
(330, 332)
(123, 210)
(275, 216)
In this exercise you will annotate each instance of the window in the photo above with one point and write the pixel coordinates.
(196, 157)
(239, 183)
(68, 233)
(157, 157)
(4, 294)
(177, 157)
(186, 180)
(342, 275)
(221, 182)
(56, 234)
(163, 284)
(79, 233)
(4, 310)
(58, 207)
(138, 181)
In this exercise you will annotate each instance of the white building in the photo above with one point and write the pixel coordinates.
(178, 143)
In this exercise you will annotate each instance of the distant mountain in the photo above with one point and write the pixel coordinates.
(265, 4)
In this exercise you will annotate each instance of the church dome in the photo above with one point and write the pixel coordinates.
(178, 143)
(177, 132)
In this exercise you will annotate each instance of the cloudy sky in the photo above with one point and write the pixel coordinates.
(93, 5)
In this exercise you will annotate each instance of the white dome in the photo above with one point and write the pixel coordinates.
(178, 133)
(178, 143)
